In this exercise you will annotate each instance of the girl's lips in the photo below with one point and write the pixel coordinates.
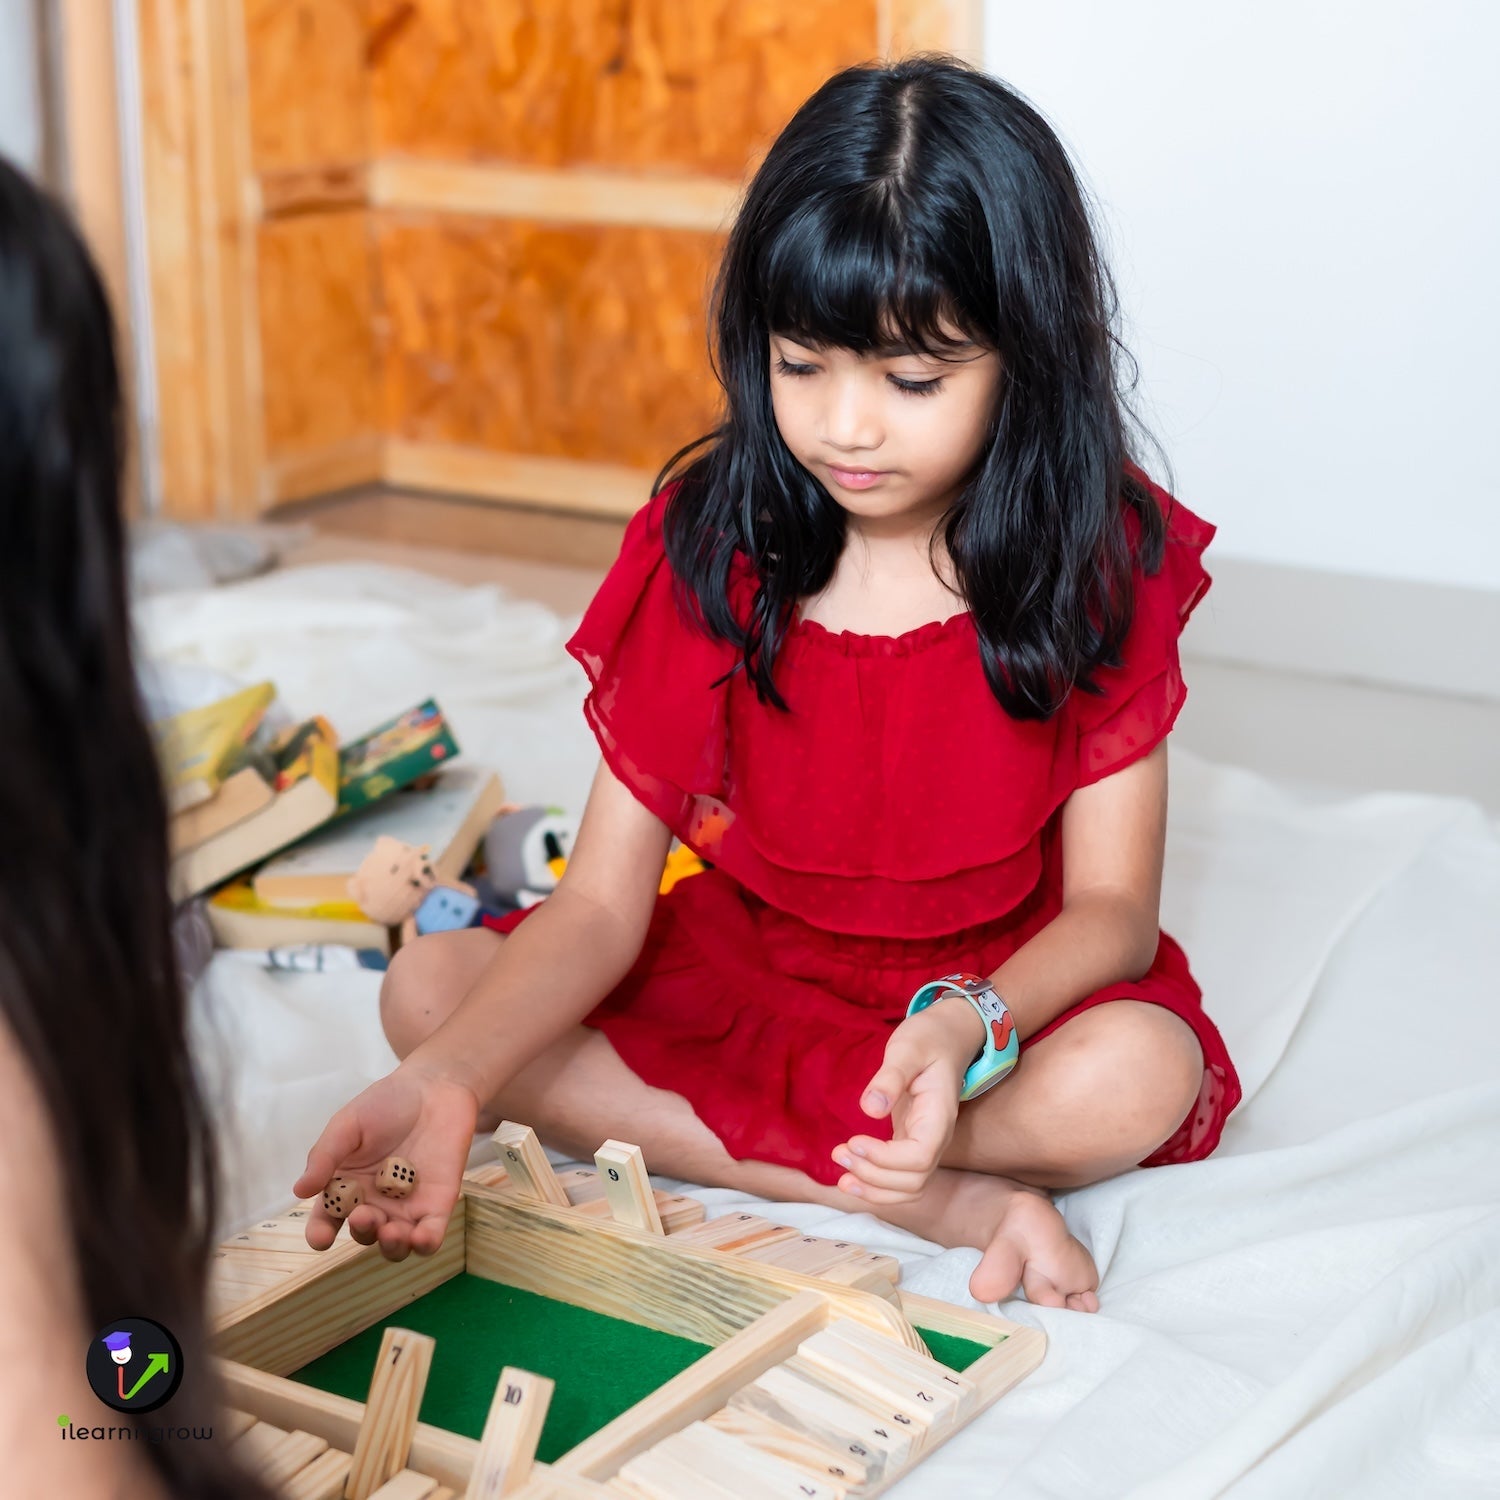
(856, 479)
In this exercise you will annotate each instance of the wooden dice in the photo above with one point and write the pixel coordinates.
(396, 1178)
(341, 1197)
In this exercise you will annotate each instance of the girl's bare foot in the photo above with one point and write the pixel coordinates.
(1023, 1237)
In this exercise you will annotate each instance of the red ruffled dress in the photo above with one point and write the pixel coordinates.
(895, 826)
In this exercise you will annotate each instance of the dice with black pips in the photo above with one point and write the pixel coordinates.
(341, 1197)
(396, 1178)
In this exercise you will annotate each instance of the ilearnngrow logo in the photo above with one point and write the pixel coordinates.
(134, 1365)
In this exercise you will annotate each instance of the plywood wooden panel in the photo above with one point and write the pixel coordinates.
(575, 341)
(317, 332)
(308, 89)
(652, 84)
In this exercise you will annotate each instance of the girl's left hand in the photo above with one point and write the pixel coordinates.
(918, 1086)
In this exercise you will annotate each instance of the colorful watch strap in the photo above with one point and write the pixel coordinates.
(1002, 1047)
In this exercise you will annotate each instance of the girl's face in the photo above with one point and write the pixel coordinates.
(890, 435)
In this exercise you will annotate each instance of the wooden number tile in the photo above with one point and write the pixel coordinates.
(808, 1406)
(507, 1448)
(390, 1420)
(678, 1211)
(407, 1485)
(802, 1452)
(490, 1174)
(712, 1451)
(855, 1365)
(735, 1233)
(531, 1174)
(659, 1475)
(807, 1254)
(232, 1423)
(323, 1479)
(627, 1186)
(257, 1443)
(286, 1232)
(294, 1452)
(582, 1185)
(860, 1356)
(896, 1415)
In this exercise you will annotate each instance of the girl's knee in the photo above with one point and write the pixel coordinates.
(1142, 1058)
(425, 981)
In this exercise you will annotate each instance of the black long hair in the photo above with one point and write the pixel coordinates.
(898, 199)
(88, 978)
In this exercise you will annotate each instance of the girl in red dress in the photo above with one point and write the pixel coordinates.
(895, 651)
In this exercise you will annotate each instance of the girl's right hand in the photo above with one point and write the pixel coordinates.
(428, 1118)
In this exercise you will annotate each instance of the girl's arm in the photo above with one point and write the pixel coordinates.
(1113, 837)
(566, 956)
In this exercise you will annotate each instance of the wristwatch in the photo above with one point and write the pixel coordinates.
(1002, 1047)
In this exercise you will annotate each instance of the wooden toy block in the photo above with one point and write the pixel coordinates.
(710, 1451)
(407, 1485)
(736, 1233)
(323, 1479)
(488, 1174)
(850, 1355)
(806, 1383)
(810, 1255)
(396, 1391)
(232, 1424)
(531, 1174)
(804, 1453)
(627, 1187)
(512, 1429)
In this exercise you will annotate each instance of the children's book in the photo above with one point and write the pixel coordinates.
(243, 793)
(196, 746)
(241, 920)
(412, 745)
(305, 793)
(449, 816)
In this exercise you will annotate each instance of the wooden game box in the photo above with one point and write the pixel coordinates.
(689, 1359)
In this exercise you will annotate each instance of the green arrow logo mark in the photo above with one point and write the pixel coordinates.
(157, 1363)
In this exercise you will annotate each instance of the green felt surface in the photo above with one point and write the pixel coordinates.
(602, 1366)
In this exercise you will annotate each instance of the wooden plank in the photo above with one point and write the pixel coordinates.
(785, 1396)
(627, 1186)
(447, 1456)
(390, 1421)
(796, 1448)
(232, 1424)
(531, 1173)
(335, 1298)
(292, 1454)
(700, 1389)
(342, 465)
(622, 377)
(645, 1279)
(895, 1417)
(322, 1479)
(407, 1485)
(936, 1397)
(709, 1450)
(315, 189)
(658, 87)
(594, 489)
(703, 203)
(512, 1429)
(810, 1255)
(736, 1233)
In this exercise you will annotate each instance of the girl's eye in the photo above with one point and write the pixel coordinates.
(917, 387)
(789, 369)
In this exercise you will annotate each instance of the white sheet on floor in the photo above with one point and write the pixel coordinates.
(1313, 1311)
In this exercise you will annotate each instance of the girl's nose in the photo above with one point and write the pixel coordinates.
(851, 420)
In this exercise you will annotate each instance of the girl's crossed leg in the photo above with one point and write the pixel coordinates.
(1095, 1097)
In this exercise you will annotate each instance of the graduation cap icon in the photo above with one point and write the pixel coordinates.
(116, 1341)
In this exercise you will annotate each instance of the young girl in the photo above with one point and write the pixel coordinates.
(896, 653)
(108, 1169)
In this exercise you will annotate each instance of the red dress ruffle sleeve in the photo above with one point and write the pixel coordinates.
(895, 825)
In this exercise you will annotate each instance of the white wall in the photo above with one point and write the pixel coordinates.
(1303, 202)
(20, 99)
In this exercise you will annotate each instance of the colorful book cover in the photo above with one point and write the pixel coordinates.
(412, 745)
(195, 747)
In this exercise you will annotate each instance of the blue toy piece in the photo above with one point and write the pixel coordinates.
(445, 909)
